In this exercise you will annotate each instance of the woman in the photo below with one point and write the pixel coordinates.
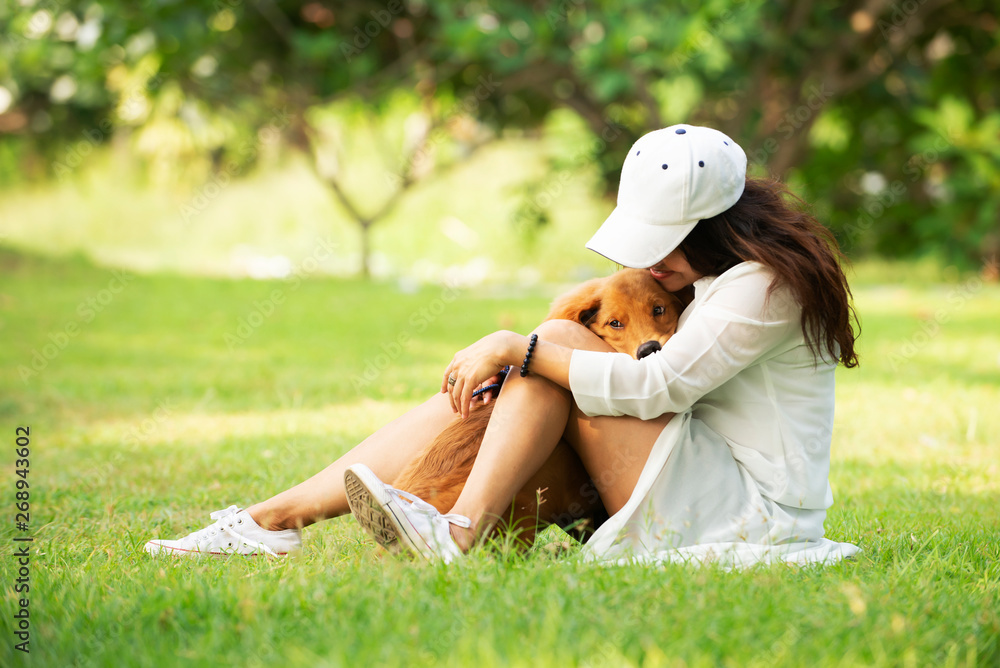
(716, 447)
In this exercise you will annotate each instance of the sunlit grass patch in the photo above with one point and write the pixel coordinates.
(147, 420)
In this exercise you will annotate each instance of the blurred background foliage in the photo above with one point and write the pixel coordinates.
(882, 114)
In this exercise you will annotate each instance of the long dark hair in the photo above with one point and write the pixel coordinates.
(769, 225)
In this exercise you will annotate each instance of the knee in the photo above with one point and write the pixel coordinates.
(570, 334)
(559, 331)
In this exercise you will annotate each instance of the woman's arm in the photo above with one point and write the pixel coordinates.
(735, 325)
(550, 360)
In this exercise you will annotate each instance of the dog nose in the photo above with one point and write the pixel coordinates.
(648, 348)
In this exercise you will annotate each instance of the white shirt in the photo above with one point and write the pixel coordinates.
(740, 363)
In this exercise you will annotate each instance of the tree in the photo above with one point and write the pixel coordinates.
(882, 112)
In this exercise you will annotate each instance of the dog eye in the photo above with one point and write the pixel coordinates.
(658, 310)
(616, 324)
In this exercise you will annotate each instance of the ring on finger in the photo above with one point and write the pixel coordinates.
(452, 380)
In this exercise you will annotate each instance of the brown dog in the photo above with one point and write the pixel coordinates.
(632, 312)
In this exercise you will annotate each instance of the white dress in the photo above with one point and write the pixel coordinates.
(740, 474)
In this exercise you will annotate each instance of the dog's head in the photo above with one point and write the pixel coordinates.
(629, 309)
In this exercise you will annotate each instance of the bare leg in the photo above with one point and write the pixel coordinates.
(386, 452)
(530, 417)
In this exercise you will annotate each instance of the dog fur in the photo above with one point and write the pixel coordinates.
(634, 315)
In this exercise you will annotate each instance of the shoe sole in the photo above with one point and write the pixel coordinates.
(378, 513)
(155, 550)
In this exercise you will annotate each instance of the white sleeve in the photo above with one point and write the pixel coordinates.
(730, 329)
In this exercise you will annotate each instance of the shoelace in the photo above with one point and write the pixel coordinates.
(219, 514)
(427, 509)
(222, 526)
(215, 528)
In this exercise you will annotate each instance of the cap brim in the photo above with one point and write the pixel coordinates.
(633, 243)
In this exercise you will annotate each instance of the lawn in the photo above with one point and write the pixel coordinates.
(153, 400)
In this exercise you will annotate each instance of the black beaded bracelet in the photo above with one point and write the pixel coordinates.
(527, 357)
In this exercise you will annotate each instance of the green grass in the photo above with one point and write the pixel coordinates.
(147, 419)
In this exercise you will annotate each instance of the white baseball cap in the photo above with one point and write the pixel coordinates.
(671, 179)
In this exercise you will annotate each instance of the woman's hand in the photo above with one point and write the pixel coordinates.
(477, 363)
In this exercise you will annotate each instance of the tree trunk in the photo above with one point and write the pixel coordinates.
(365, 250)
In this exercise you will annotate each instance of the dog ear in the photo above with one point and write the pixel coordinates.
(580, 304)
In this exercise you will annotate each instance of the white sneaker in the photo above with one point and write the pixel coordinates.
(234, 532)
(395, 517)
